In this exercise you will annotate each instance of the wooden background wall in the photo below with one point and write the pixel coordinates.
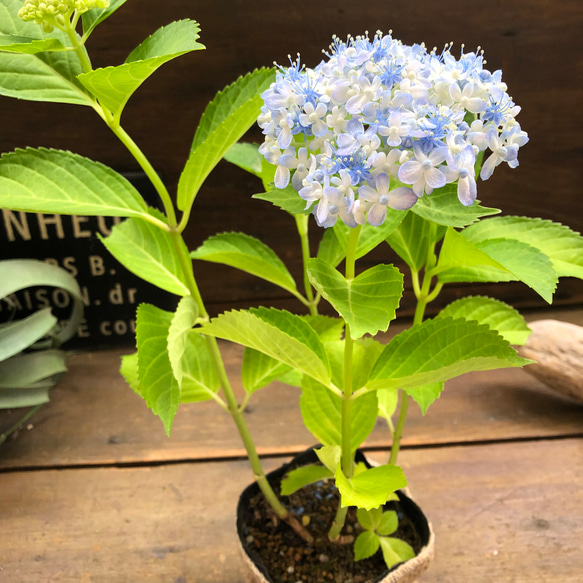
(535, 42)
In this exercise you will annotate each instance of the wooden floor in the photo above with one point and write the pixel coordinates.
(93, 492)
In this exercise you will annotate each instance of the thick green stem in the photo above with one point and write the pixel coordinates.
(302, 226)
(78, 46)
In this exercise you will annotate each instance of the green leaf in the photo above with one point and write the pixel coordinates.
(54, 181)
(367, 302)
(495, 314)
(327, 328)
(182, 323)
(370, 237)
(322, 414)
(412, 238)
(200, 377)
(287, 199)
(231, 113)
(330, 250)
(303, 476)
(369, 519)
(259, 370)
(276, 333)
(29, 46)
(159, 387)
(395, 551)
(438, 350)
(113, 86)
(28, 369)
(365, 545)
(129, 371)
(21, 334)
(426, 395)
(444, 208)
(330, 456)
(247, 254)
(247, 157)
(15, 398)
(387, 399)
(96, 16)
(370, 488)
(563, 246)
(148, 252)
(38, 76)
(388, 523)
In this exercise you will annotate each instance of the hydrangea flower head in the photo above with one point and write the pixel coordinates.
(51, 13)
(379, 124)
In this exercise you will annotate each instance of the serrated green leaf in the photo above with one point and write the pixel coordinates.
(412, 238)
(159, 387)
(322, 414)
(55, 181)
(367, 303)
(563, 246)
(28, 369)
(200, 377)
(38, 76)
(495, 314)
(276, 333)
(182, 323)
(388, 523)
(29, 46)
(369, 519)
(330, 250)
(287, 199)
(21, 334)
(365, 545)
(149, 252)
(330, 456)
(231, 113)
(425, 395)
(369, 237)
(96, 16)
(247, 254)
(113, 86)
(303, 476)
(371, 488)
(129, 370)
(438, 350)
(444, 208)
(259, 370)
(395, 551)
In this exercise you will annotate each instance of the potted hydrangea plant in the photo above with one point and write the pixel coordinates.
(381, 143)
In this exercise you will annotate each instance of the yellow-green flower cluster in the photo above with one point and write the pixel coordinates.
(51, 13)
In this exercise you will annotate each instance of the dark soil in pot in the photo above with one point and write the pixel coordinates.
(283, 557)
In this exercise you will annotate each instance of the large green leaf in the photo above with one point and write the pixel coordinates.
(563, 246)
(411, 240)
(96, 16)
(425, 395)
(21, 334)
(55, 181)
(159, 387)
(367, 302)
(232, 112)
(444, 208)
(31, 368)
(371, 488)
(182, 323)
(438, 350)
(259, 370)
(278, 334)
(200, 377)
(495, 314)
(113, 86)
(303, 476)
(247, 254)
(370, 237)
(38, 76)
(322, 414)
(148, 252)
(287, 199)
(15, 398)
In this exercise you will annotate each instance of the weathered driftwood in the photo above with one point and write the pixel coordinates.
(557, 348)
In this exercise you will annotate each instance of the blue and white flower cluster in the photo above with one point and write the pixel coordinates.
(379, 124)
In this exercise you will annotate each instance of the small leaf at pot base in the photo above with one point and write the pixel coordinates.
(395, 551)
(366, 545)
(388, 523)
(426, 395)
(371, 488)
(330, 456)
(369, 519)
(303, 476)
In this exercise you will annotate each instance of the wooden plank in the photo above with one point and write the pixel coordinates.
(510, 513)
(94, 418)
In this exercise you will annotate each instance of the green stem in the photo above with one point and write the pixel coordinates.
(399, 428)
(302, 226)
(4, 436)
(78, 46)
